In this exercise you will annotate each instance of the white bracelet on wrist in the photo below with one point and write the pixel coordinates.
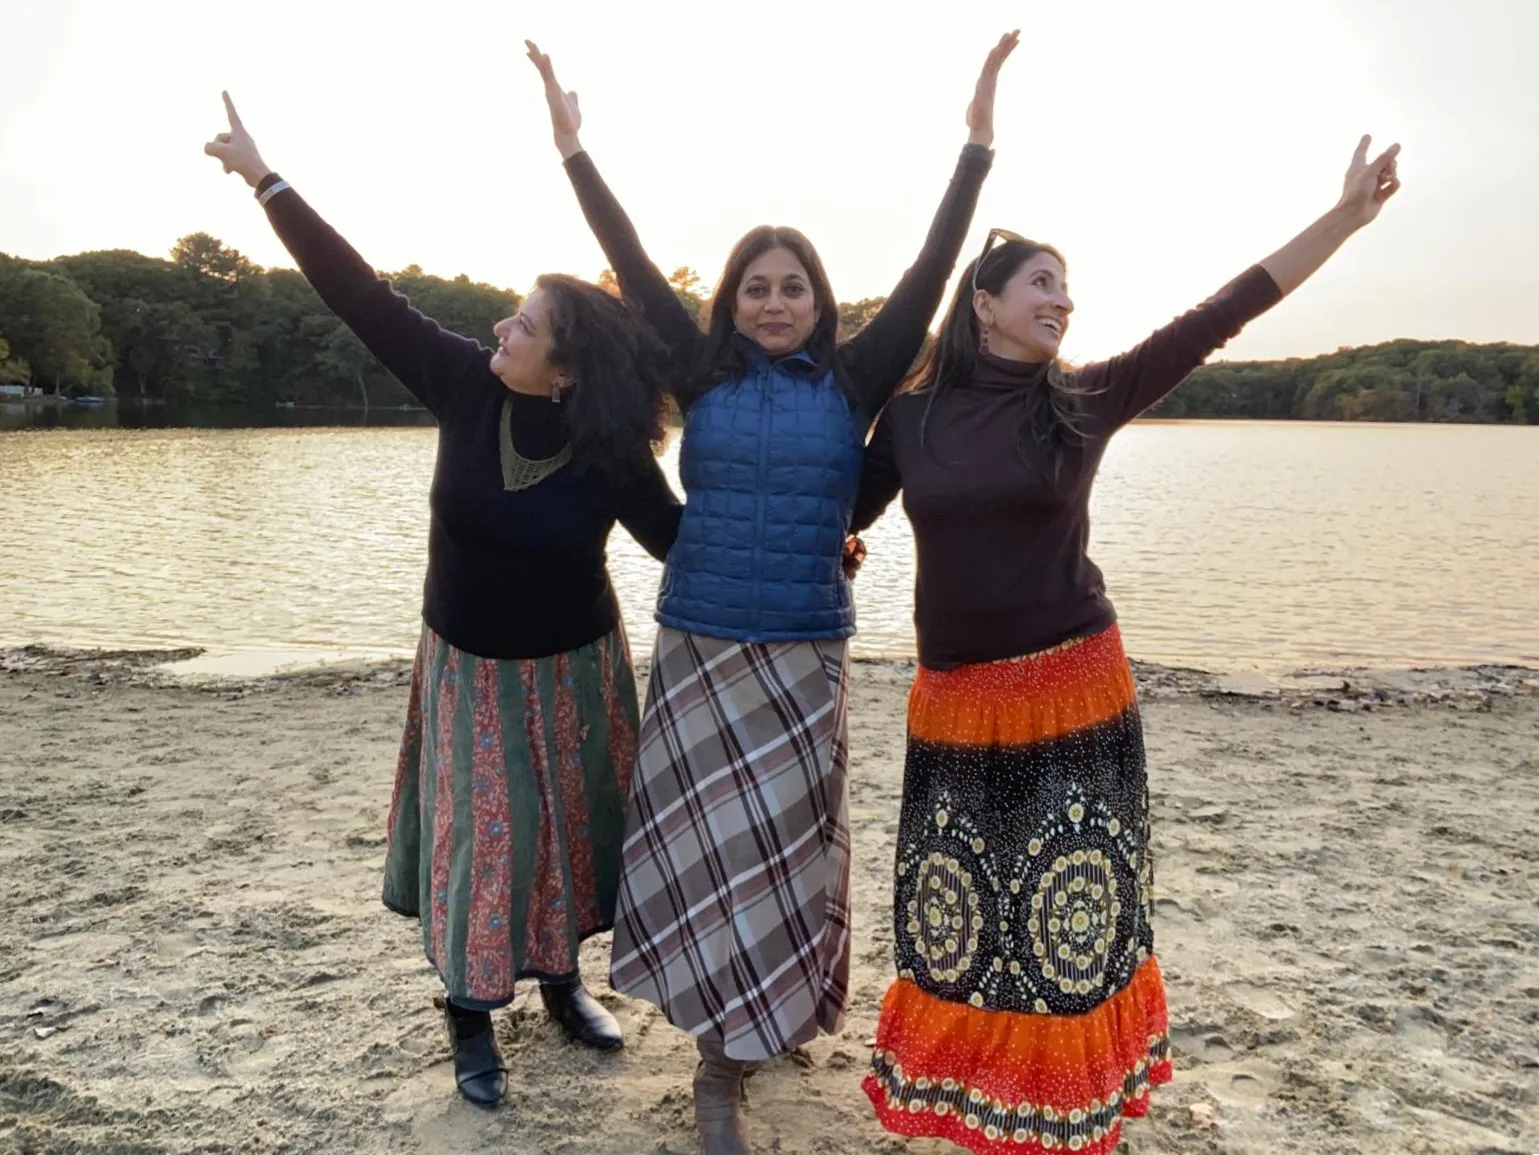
(271, 191)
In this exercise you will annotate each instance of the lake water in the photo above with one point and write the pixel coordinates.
(1230, 546)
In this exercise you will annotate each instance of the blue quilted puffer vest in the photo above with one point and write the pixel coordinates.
(770, 465)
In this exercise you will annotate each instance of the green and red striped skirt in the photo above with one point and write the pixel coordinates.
(509, 807)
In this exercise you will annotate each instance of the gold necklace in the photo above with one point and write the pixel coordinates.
(518, 471)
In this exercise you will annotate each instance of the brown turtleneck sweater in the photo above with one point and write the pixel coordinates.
(1003, 568)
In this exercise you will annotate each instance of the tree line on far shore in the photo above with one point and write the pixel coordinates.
(208, 325)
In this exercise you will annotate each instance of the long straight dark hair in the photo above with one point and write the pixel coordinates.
(721, 360)
(1053, 412)
(615, 409)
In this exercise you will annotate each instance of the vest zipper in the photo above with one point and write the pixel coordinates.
(760, 502)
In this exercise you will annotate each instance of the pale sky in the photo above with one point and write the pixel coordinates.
(1162, 146)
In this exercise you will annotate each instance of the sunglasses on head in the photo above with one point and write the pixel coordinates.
(1004, 235)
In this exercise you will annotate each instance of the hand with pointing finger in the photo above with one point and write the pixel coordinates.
(236, 150)
(565, 116)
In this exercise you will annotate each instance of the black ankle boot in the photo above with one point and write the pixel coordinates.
(478, 1068)
(581, 1016)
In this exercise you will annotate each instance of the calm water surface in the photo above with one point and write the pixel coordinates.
(1267, 546)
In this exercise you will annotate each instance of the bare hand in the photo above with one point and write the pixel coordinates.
(980, 113)
(565, 116)
(1369, 183)
(236, 150)
(854, 554)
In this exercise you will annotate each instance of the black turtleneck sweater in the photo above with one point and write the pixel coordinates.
(1003, 567)
(511, 573)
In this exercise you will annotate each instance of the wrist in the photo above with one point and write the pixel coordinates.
(268, 187)
(568, 145)
(1342, 219)
(257, 174)
(981, 137)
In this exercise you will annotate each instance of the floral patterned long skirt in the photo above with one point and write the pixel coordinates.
(508, 815)
(1028, 1014)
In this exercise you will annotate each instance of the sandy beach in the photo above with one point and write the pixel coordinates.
(193, 957)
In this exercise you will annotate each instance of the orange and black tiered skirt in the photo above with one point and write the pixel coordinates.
(1028, 1014)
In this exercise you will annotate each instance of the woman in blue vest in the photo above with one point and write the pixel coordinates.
(734, 906)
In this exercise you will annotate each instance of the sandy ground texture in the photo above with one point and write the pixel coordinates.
(193, 957)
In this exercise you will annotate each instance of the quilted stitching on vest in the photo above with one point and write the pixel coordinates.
(770, 465)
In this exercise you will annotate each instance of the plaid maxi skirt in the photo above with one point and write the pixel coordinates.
(508, 813)
(734, 907)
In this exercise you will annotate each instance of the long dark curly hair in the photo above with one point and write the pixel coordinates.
(616, 408)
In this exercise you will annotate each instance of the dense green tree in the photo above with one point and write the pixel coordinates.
(145, 314)
(853, 316)
(51, 324)
(461, 305)
(208, 325)
(686, 287)
(1400, 380)
(343, 357)
(209, 261)
(13, 370)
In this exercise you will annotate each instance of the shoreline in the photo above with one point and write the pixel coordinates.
(132, 401)
(1336, 687)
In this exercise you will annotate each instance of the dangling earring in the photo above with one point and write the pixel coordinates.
(983, 343)
(557, 387)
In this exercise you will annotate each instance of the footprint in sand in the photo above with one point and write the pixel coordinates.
(418, 1044)
(1174, 916)
(1417, 1026)
(84, 946)
(1248, 1084)
(1450, 1133)
(1245, 1084)
(1200, 1043)
(1259, 1001)
(173, 948)
(253, 1053)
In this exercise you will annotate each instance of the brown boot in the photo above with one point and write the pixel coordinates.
(718, 1098)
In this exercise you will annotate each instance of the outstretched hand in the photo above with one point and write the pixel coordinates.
(980, 113)
(1369, 183)
(236, 150)
(565, 115)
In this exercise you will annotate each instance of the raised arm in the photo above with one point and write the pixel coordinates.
(1122, 388)
(420, 353)
(878, 357)
(1367, 186)
(642, 283)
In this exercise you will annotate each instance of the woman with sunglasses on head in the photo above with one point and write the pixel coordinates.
(734, 907)
(1029, 1013)
(507, 819)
